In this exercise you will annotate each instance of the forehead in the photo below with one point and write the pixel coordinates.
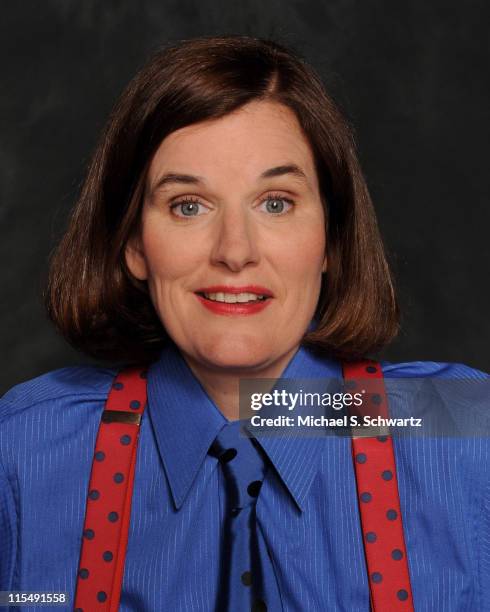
(240, 145)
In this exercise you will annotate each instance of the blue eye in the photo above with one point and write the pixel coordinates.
(276, 205)
(188, 208)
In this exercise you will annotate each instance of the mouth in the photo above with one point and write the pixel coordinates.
(226, 300)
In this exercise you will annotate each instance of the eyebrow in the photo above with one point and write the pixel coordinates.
(189, 179)
(286, 169)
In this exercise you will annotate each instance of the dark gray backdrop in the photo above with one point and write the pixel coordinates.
(412, 77)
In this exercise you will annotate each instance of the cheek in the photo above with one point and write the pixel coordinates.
(301, 259)
(168, 257)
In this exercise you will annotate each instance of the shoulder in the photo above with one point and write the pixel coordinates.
(431, 369)
(453, 388)
(58, 387)
(449, 400)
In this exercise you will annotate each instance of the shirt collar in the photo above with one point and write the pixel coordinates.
(184, 418)
(297, 458)
(186, 421)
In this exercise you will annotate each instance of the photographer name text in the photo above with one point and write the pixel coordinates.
(343, 421)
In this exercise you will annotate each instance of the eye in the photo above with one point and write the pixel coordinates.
(276, 204)
(188, 208)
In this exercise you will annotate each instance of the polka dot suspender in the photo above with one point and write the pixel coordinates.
(379, 503)
(108, 508)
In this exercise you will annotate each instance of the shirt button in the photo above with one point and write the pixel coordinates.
(246, 578)
(259, 606)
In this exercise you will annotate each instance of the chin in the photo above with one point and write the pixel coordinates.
(237, 352)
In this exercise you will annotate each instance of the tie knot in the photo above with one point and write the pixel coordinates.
(221, 453)
(225, 446)
(242, 462)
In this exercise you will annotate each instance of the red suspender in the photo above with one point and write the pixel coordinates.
(379, 502)
(108, 509)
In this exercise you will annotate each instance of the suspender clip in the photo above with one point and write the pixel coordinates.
(121, 416)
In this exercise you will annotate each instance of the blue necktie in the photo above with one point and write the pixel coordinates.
(243, 555)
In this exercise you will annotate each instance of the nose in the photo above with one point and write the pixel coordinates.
(235, 245)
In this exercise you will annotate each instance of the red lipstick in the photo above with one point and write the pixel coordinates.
(257, 289)
(235, 308)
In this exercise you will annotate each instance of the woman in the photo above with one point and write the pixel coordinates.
(225, 232)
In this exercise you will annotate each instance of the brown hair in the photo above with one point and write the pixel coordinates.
(91, 296)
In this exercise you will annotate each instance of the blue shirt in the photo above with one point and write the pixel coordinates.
(307, 508)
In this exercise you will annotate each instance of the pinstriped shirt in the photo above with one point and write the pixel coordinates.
(307, 509)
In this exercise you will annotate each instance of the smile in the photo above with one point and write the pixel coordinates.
(234, 300)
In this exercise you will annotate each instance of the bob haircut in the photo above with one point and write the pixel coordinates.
(91, 296)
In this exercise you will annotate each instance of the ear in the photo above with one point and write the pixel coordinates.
(135, 258)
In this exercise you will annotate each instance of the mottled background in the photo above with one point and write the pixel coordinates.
(412, 77)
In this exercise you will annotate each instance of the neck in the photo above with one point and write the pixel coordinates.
(222, 384)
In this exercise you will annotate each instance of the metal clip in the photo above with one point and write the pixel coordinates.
(121, 416)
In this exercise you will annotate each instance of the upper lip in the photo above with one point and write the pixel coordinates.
(258, 290)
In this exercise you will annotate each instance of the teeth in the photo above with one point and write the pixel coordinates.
(243, 297)
(232, 298)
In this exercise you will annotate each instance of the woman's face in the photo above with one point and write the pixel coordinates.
(232, 239)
